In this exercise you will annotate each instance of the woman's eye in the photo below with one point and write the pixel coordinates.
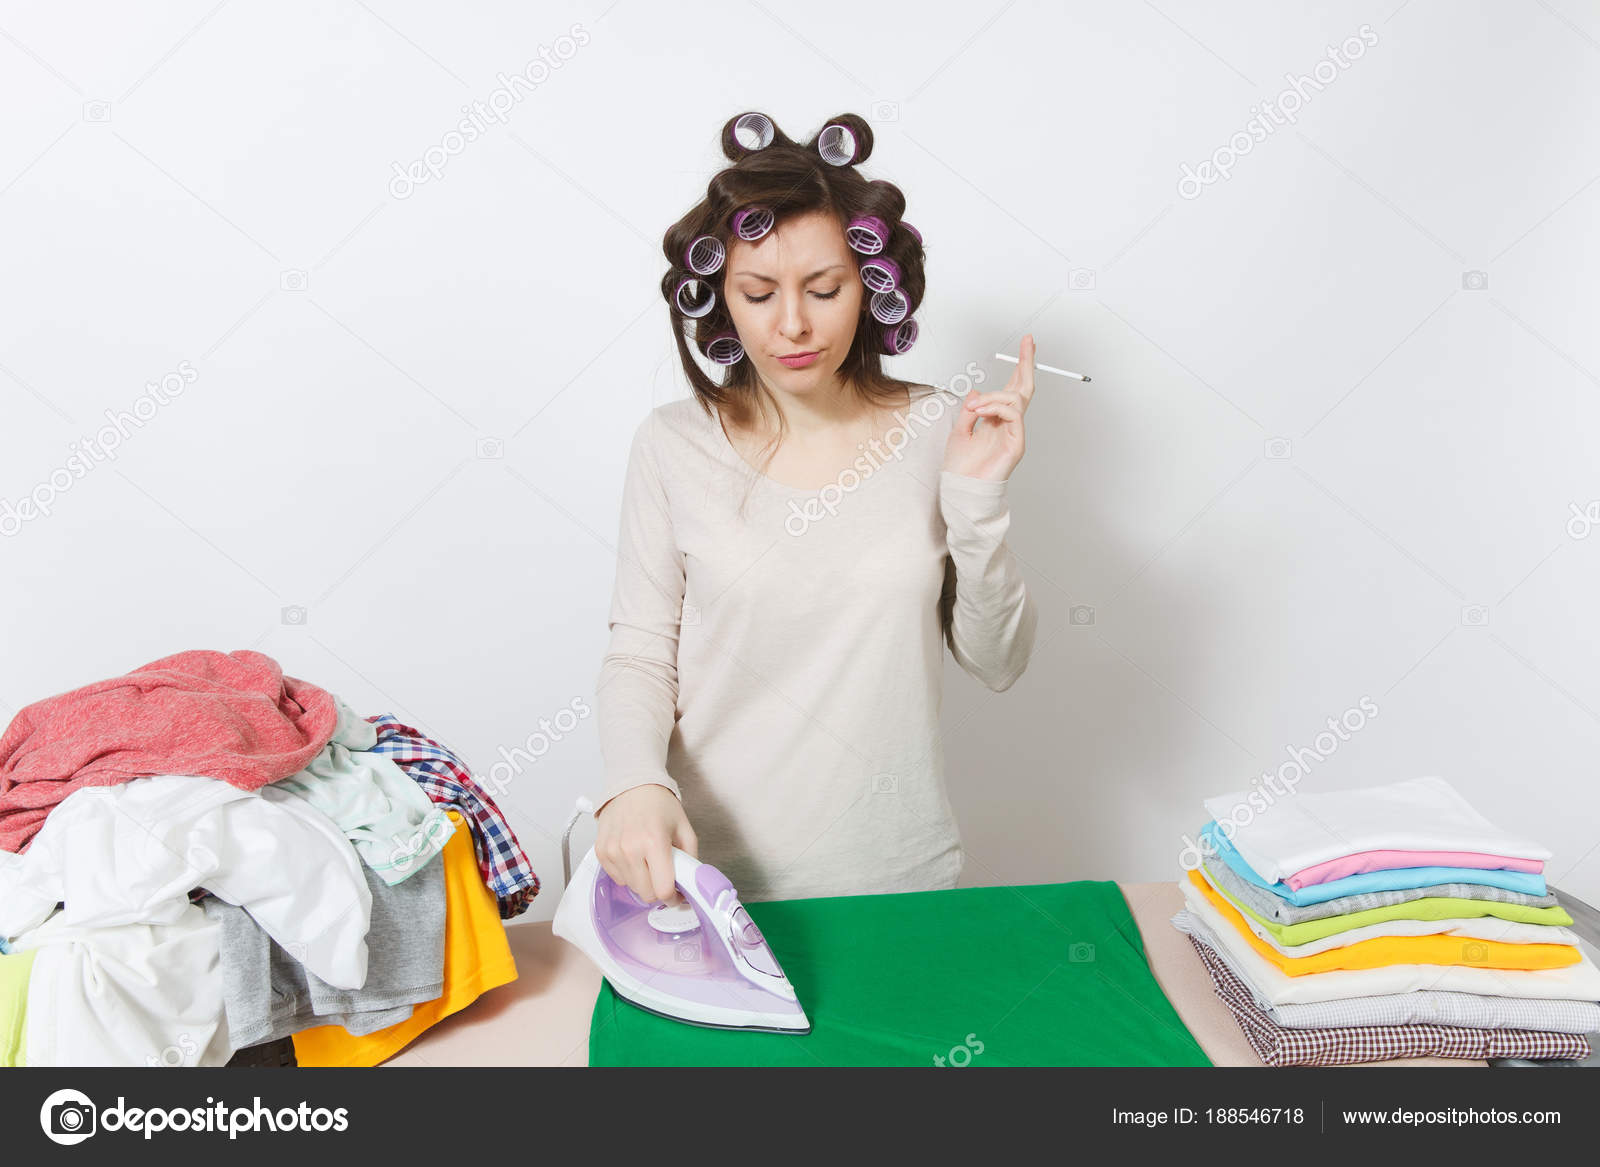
(828, 295)
(749, 299)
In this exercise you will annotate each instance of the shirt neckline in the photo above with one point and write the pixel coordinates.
(730, 453)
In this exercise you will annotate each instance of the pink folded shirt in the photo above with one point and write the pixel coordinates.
(1364, 861)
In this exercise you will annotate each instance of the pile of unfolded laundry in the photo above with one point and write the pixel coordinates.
(205, 855)
(1389, 922)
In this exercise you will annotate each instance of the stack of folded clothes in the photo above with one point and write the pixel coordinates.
(1388, 922)
(205, 855)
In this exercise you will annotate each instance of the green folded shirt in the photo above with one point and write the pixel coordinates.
(1040, 975)
(1440, 908)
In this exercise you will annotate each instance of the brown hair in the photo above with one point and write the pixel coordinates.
(788, 179)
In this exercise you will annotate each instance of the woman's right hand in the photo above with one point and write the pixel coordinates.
(636, 833)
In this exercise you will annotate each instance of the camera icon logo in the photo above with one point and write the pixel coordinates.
(1474, 953)
(1081, 952)
(1475, 281)
(885, 784)
(1278, 449)
(67, 1117)
(294, 280)
(294, 614)
(1081, 616)
(97, 111)
(1081, 279)
(885, 111)
(491, 448)
(686, 951)
(691, 614)
(1474, 616)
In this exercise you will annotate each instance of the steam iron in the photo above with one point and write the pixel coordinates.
(703, 961)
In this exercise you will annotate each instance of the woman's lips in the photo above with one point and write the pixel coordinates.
(799, 360)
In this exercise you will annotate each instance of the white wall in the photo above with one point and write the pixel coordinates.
(355, 353)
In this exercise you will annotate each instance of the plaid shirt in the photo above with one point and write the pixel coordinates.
(447, 781)
(1277, 1046)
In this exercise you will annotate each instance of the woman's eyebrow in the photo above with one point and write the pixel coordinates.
(821, 271)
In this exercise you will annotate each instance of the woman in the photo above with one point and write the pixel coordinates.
(798, 542)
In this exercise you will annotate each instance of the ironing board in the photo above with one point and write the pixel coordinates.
(542, 1018)
(1039, 975)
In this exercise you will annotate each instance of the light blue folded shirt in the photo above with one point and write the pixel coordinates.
(1395, 879)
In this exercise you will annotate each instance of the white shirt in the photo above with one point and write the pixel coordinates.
(776, 654)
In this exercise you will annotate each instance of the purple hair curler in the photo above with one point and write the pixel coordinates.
(837, 144)
(867, 235)
(725, 349)
(915, 234)
(881, 274)
(753, 131)
(751, 223)
(694, 297)
(898, 338)
(705, 255)
(890, 307)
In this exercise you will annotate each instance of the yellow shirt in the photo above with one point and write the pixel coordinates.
(1383, 951)
(477, 958)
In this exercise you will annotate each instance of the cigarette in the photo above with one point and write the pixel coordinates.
(1048, 368)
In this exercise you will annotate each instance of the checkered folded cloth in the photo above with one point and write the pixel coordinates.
(447, 781)
(1277, 1046)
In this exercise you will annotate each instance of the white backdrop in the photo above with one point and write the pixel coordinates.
(1341, 441)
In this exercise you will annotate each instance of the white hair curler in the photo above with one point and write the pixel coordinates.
(890, 307)
(725, 349)
(867, 235)
(753, 131)
(881, 274)
(898, 338)
(705, 255)
(837, 144)
(751, 223)
(694, 297)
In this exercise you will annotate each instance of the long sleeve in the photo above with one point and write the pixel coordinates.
(988, 617)
(636, 697)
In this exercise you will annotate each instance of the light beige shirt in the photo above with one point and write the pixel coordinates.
(776, 654)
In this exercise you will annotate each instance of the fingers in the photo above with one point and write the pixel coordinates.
(1000, 411)
(1025, 368)
(968, 418)
(684, 839)
(659, 876)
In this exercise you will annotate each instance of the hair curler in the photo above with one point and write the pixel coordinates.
(898, 338)
(867, 235)
(725, 349)
(881, 274)
(694, 297)
(837, 144)
(915, 234)
(705, 255)
(751, 223)
(890, 307)
(753, 131)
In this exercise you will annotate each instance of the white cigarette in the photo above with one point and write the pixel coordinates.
(1047, 368)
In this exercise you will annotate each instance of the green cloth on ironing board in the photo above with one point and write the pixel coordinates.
(1431, 908)
(1041, 975)
(15, 968)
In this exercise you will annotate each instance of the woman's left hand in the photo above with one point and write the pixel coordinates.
(992, 451)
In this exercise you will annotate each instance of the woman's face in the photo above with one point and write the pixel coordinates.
(796, 293)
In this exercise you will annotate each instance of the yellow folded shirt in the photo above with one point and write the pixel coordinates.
(1383, 951)
(477, 958)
